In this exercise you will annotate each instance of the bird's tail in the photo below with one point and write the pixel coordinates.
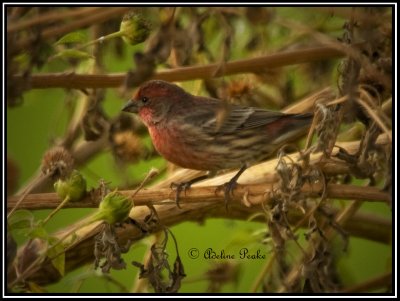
(293, 127)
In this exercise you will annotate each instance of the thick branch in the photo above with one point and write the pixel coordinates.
(255, 194)
(253, 65)
(261, 173)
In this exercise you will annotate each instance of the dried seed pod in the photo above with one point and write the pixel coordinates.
(126, 145)
(57, 163)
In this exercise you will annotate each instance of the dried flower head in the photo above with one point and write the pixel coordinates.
(238, 89)
(57, 163)
(127, 147)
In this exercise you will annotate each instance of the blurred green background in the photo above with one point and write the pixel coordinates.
(43, 117)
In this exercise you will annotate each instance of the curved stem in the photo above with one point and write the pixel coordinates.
(101, 39)
(65, 201)
(267, 267)
(26, 192)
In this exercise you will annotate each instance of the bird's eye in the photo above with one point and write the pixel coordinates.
(144, 99)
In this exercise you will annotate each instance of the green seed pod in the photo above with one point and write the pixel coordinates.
(73, 187)
(115, 207)
(134, 28)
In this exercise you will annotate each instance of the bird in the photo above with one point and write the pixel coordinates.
(203, 133)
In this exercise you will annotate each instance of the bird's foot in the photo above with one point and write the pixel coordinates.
(228, 188)
(186, 185)
(179, 187)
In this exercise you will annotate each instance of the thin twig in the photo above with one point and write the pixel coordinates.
(350, 50)
(341, 219)
(260, 277)
(61, 205)
(375, 117)
(81, 153)
(382, 281)
(141, 284)
(374, 102)
(150, 175)
(51, 16)
(387, 108)
(349, 12)
(101, 16)
(17, 204)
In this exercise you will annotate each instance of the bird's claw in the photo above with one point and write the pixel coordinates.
(179, 188)
(228, 188)
(185, 186)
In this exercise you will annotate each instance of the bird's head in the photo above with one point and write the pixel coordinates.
(153, 100)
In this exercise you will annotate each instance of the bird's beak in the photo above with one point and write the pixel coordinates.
(130, 106)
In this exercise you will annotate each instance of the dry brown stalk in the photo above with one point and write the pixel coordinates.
(253, 65)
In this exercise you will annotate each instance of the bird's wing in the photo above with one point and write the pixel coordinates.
(232, 118)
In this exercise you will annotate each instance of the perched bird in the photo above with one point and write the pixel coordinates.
(204, 134)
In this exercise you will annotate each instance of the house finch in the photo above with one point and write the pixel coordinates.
(205, 134)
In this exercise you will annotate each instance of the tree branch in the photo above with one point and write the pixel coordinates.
(253, 65)
(255, 194)
(361, 225)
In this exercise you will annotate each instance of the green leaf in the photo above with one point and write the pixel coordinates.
(22, 60)
(20, 219)
(35, 288)
(74, 237)
(73, 54)
(72, 37)
(58, 253)
(38, 232)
